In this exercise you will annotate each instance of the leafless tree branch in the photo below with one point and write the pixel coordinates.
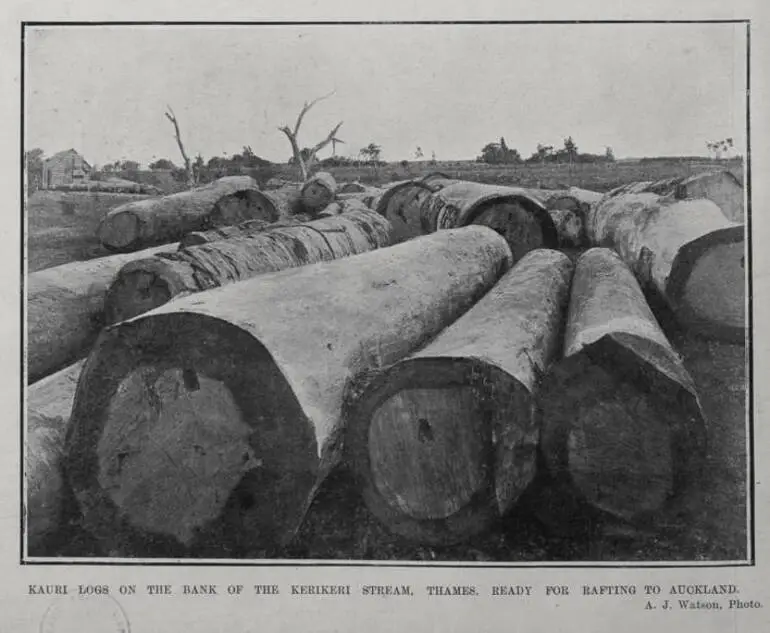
(188, 170)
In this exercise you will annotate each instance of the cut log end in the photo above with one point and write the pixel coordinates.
(519, 227)
(140, 287)
(183, 444)
(424, 440)
(121, 232)
(619, 429)
(714, 294)
(173, 447)
(243, 206)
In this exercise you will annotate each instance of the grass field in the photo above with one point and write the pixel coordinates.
(61, 227)
(708, 524)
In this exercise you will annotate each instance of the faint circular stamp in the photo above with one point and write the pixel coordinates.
(85, 613)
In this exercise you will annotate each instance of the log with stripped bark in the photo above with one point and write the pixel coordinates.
(622, 430)
(721, 187)
(226, 201)
(444, 442)
(147, 283)
(686, 251)
(318, 192)
(208, 424)
(49, 403)
(521, 219)
(65, 309)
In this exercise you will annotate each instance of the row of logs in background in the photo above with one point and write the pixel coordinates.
(275, 342)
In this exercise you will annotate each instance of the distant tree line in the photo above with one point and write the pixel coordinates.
(499, 153)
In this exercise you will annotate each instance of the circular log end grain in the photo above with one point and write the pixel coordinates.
(185, 432)
(241, 206)
(618, 431)
(707, 286)
(119, 231)
(420, 439)
(139, 287)
(318, 192)
(522, 229)
(401, 206)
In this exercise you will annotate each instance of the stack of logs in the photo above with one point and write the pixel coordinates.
(211, 409)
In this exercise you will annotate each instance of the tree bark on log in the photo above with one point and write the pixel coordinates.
(444, 442)
(65, 309)
(686, 251)
(318, 192)
(148, 283)
(721, 187)
(521, 219)
(622, 427)
(208, 424)
(226, 201)
(49, 403)
(244, 229)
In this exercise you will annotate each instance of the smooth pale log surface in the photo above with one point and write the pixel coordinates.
(65, 309)
(318, 192)
(622, 425)
(721, 187)
(148, 283)
(511, 211)
(49, 403)
(444, 441)
(665, 241)
(229, 200)
(279, 350)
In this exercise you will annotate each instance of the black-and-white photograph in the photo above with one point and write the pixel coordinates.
(472, 293)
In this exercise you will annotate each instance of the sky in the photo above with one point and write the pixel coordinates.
(644, 90)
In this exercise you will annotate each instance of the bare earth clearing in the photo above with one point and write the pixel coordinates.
(710, 524)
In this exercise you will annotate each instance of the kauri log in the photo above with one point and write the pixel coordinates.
(721, 187)
(686, 251)
(622, 427)
(318, 192)
(226, 201)
(516, 215)
(209, 423)
(444, 442)
(65, 309)
(244, 229)
(567, 213)
(150, 282)
(401, 205)
(49, 403)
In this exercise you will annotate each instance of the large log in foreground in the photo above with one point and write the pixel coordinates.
(65, 309)
(687, 251)
(208, 424)
(49, 403)
(147, 283)
(444, 442)
(622, 427)
(516, 215)
(226, 201)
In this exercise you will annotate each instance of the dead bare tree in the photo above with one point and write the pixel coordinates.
(306, 162)
(191, 177)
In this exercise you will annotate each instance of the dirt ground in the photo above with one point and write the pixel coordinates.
(710, 523)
